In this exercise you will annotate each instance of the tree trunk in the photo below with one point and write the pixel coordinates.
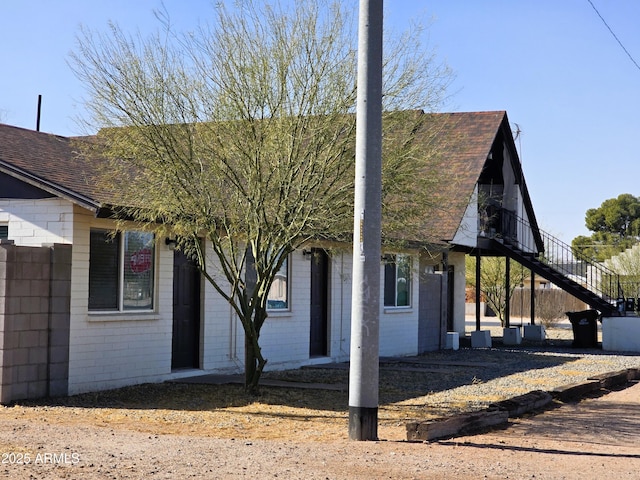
(254, 362)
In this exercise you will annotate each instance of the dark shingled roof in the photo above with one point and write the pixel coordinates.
(462, 141)
(51, 163)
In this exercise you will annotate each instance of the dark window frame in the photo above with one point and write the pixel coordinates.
(397, 281)
(122, 269)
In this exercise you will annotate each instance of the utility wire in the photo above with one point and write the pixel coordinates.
(614, 35)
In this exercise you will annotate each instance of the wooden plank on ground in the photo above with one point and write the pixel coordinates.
(611, 379)
(522, 404)
(575, 390)
(458, 425)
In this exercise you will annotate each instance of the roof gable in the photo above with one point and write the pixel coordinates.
(462, 142)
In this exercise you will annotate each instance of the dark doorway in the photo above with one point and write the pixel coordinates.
(186, 313)
(319, 303)
(431, 315)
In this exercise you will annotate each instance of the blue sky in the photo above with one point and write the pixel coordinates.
(551, 64)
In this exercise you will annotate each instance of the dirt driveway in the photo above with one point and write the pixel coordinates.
(596, 438)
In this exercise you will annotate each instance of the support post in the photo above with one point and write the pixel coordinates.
(365, 307)
(478, 291)
(507, 297)
(533, 298)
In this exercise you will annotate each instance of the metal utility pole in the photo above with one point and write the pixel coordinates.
(365, 307)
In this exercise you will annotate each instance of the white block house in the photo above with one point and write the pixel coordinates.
(136, 311)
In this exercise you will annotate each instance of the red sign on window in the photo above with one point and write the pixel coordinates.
(140, 261)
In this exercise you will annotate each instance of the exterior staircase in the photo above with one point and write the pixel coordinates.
(590, 282)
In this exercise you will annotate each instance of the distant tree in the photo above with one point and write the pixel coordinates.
(616, 227)
(627, 265)
(242, 133)
(619, 215)
(493, 281)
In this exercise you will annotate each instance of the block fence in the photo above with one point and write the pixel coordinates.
(35, 288)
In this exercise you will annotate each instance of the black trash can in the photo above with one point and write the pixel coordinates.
(585, 328)
(630, 304)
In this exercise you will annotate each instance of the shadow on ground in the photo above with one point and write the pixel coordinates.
(401, 378)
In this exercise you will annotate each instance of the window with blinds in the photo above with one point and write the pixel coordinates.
(121, 270)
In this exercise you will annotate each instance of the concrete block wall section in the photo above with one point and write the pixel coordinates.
(34, 321)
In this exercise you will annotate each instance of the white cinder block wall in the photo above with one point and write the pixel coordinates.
(36, 222)
(399, 325)
(113, 350)
(221, 339)
(285, 335)
(457, 260)
(110, 350)
(340, 275)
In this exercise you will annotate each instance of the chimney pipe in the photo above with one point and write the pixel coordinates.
(38, 114)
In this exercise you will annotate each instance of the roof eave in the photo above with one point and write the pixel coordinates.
(50, 187)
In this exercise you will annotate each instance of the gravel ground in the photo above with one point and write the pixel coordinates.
(206, 431)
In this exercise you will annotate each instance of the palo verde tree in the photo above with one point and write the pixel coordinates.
(238, 137)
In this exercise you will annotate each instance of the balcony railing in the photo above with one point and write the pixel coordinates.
(555, 254)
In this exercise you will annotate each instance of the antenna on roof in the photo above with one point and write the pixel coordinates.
(38, 114)
(517, 138)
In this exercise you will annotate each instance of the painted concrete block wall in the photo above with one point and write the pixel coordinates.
(457, 259)
(38, 222)
(340, 275)
(110, 350)
(399, 325)
(621, 334)
(113, 350)
(285, 335)
(222, 337)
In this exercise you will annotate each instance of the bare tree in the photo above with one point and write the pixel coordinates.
(493, 282)
(242, 133)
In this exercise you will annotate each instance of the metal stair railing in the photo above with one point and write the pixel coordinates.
(559, 256)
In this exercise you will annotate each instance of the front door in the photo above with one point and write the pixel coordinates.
(319, 296)
(186, 313)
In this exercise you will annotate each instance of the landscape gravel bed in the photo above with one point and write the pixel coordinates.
(419, 388)
(449, 382)
(171, 430)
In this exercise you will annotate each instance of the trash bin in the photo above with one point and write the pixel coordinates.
(585, 328)
(630, 304)
(620, 305)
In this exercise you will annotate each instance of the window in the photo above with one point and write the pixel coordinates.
(4, 232)
(278, 298)
(121, 270)
(397, 281)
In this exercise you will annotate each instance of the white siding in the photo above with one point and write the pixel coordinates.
(467, 232)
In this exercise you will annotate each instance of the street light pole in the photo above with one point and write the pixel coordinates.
(365, 306)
